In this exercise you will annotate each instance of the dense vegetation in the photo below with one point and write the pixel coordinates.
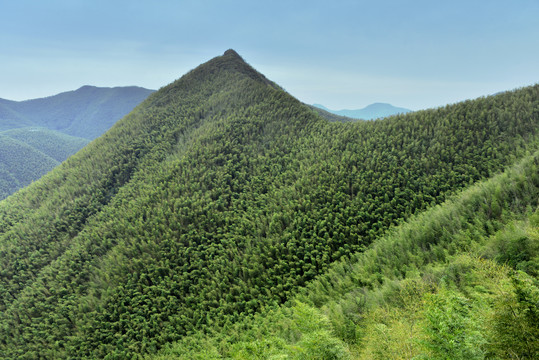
(28, 153)
(86, 112)
(459, 281)
(52, 143)
(221, 195)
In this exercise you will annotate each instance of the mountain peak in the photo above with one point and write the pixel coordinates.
(230, 62)
(232, 52)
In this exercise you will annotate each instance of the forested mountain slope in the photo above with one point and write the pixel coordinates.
(86, 112)
(218, 195)
(458, 281)
(20, 164)
(28, 153)
(52, 143)
(9, 118)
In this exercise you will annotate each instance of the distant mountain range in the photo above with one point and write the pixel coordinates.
(37, 135)
(28, 153)
(370, 112)
(86, 112)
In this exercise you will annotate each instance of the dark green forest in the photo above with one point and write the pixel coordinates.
(224, 218)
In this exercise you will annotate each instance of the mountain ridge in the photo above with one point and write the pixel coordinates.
(85, 112)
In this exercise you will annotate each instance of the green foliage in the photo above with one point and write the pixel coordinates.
(515, 332)
(221, 195)
(458, 306)
(20, 165)
(55, 144)
(36, 135)
(451, 331)
(298, 332)
(518, 247)
(28, 153)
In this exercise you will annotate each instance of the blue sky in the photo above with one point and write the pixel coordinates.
(343, 54)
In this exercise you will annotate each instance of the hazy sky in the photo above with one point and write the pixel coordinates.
(343, 54)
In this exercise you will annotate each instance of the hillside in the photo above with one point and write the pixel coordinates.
(56, 127)
(9, 118)
(86, 112)
(20, 164)
(221, 195)
(52, 143)
(459, 281)
(28, 153)
(369, 112)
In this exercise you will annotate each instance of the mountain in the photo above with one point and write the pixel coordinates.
(52, 143)
(86, 112)
(57, 127)
(20, 164)
(220, 197)
(370, 112)
(10, 118)
(28, 153)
